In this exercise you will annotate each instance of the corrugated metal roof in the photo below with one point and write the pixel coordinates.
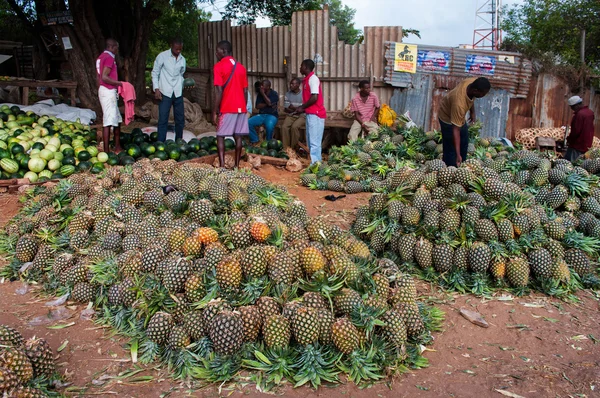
(512, 77)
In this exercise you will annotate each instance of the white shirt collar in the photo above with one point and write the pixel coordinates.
(109, 53)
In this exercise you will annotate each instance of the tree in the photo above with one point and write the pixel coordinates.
(130, 22)
(549, 31)
(280, 13)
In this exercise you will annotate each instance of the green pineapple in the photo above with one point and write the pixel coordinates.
(345, 335)
(557, 197)
(410, 216)
(84, 292)
(276, 331)
(347, 300)
(442, 256)
(479, 257)
(267, 306)
(486, 230)
(10, 337)
(579, 261)
(159, 327)
(178, 338)
(26, 248)
(449, 220)
(423, 253)
(254, 262)
(175, 276)
(395, 330)
(305, 325)
(252, 322)
(540, 262)
(406, 248)
(226, 331)
(409, 312)
(517, 272)
(193, 323)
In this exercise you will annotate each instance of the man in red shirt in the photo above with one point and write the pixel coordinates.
(108, 82)
(312, 105)
(581, 137)
(229, 101)
(365, 106)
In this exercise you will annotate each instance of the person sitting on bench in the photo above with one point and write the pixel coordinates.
(290, 131)
(365, 106)
(266, 103)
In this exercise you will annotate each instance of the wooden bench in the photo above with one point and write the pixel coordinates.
(26, 84)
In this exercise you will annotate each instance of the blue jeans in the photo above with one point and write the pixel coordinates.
(269, 121)
(163, 116)
(314, 136)
(448, 143)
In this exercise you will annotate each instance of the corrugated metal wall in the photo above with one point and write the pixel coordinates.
(264, 50)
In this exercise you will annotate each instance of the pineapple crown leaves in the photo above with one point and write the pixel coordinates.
(458, 202)
(275, 363)
(516, 203)
(476, 185)
(249, 292)
(499, 251)
(379, 222)
(578, 184)
(323, 284)
(495, 213)
(361, 365)
(271, 195)
(588, 244)
(104, 271)
(381, 169)
(367, 318)
(316, 364)
(402, 193)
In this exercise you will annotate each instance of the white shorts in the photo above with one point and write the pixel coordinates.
(110, 108)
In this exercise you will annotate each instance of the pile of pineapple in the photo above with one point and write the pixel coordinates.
(365, 165)
(214, 271)
(26, 366)
(522, 219)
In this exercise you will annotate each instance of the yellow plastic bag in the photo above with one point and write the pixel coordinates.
(386, 116)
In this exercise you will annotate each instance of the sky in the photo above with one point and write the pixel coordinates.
(441, 22)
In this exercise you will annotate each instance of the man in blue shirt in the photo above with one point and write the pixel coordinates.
(266, 103)
(167, 81)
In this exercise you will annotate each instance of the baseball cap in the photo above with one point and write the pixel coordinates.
(574, 100)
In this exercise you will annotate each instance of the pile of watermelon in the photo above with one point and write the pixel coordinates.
(44, 147)
(273, 148)
(138, 145)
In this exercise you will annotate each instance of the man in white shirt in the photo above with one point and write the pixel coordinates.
(167, 81)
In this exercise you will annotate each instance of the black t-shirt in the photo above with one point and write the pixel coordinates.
(268, 110)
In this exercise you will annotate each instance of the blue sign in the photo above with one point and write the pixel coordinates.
(432, 60)
(480, 64)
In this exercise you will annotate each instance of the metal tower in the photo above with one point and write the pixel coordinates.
(487, 34)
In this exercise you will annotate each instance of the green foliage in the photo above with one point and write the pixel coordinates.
(549, 31)
(176, 22)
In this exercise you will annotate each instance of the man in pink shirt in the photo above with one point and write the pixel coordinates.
(365, 106)
(108, 82)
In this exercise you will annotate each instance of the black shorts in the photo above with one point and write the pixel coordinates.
(448, 143)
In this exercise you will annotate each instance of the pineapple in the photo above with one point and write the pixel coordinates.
(345, 335)
(312, 260)
(252, 322)
(176, 201)
(494, 188)
(406, 248)
(449, 220)
(560, 271)
(517, 272)
(479, 257)
(505, 230)
(178, 338)
(267, 306)
(206, 235)
(175, 276)
(442, 256)
(194, 288)
(305, 325)
(557, 197)
(409, 312)
(498, 269)
(213, 308)
(395, 329)
(193, 323)
(410, 216)
(326, 319)
(382, 285)
(159, 328)
(314, 300)
(8, 380)
(26, 248)
(540, 262)
(16, 360)
(229, 273)
(486, 230)
(579, 261)
(347, 300)
(254, 262)
(259, 230)
(226, 331)
(423, 253)
(10, 337)
(276, 331)
(406, 290)
(201, 211)
(84, 292)
(461, 258)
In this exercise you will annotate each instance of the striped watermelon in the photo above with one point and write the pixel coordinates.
(9, 165)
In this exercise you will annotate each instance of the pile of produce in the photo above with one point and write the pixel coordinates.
(273, 148)
(138, 145)
(27, 368)
(42, 148)
(213, 272)
(521, 219)
(365, 165)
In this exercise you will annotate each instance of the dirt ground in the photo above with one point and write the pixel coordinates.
(535, 346)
